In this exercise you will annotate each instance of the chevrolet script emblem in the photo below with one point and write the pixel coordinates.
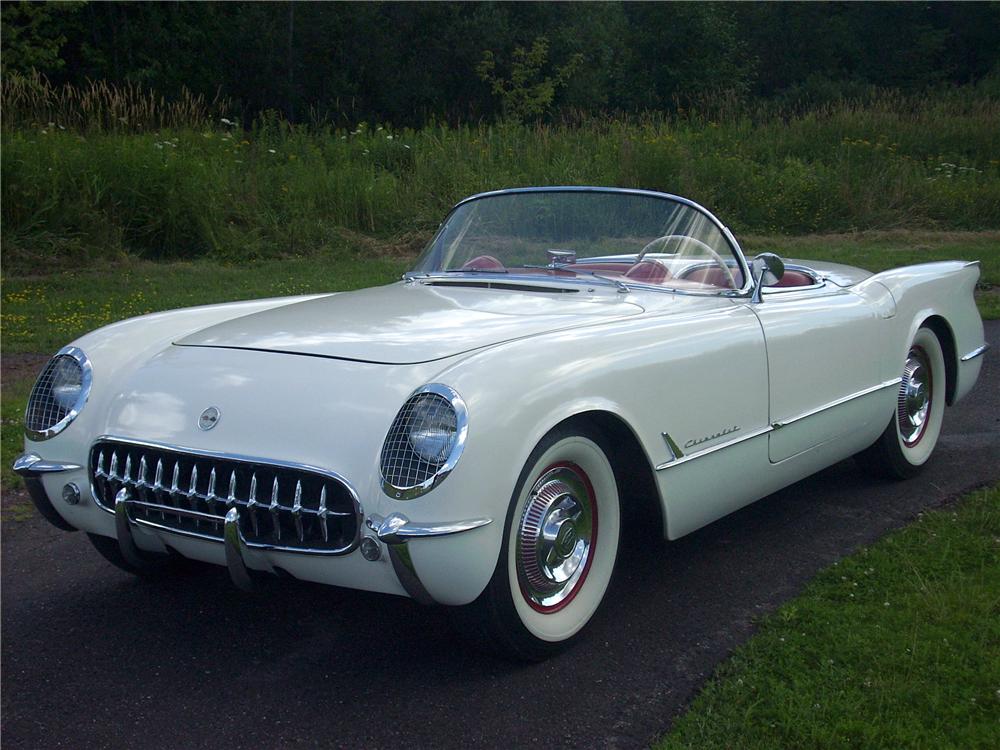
(209, 418)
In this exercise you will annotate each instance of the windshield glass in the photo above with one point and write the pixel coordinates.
(623, 237)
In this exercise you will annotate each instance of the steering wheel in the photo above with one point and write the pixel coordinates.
(701, 246)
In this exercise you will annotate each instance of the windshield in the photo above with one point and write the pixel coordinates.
(620, 237)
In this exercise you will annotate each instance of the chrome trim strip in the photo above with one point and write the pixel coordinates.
(779, 425)
(714, 448)
(672, 447)
(812, 412)
(978, 352)
(397, 528)
(359, 511)
(86, 382)
(31, 464)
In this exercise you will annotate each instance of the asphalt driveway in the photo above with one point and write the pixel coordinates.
(95, 658)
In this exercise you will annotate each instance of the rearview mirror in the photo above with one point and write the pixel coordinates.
(766, 269)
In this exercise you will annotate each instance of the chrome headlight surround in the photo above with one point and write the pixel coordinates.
(406, 474)
(42, 389)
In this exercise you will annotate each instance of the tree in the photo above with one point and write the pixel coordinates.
(527, 92)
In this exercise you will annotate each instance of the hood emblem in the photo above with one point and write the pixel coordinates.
(209, 418)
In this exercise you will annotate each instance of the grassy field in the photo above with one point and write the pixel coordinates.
(897, 646)
(271, 189)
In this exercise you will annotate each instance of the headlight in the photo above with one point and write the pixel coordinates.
(59, 394)
(424, 442)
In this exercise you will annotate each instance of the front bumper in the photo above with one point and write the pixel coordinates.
(141, 544)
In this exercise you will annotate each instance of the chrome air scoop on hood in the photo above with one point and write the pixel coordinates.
(417, 322)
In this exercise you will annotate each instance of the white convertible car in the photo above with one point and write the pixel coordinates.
(473, 434)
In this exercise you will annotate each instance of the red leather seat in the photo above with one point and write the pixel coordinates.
(795, 278)
(483, 263)
(648, 272)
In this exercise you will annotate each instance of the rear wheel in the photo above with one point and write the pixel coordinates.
(909, 440)
(560, 546)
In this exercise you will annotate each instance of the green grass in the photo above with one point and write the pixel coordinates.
(896, 646)
(277, 190)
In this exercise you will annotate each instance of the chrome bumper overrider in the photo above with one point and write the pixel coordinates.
(396, 530)
(31, 466)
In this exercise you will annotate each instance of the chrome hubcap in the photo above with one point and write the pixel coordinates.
(555, 537)
(914, 402)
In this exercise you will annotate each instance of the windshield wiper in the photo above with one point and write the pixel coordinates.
(476, 270)
(623, 288)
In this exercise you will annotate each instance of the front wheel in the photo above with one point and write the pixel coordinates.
(560, 546)
(909, 439)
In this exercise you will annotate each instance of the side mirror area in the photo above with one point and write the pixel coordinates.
(766, 269)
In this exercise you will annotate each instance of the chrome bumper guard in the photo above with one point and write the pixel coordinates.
(31, 466)
(396, 530)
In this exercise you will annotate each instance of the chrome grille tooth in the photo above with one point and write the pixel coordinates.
(158, 483)
(140, 480)
(128, 468)
(297, 511)
(158, 476)
(193, 491)
(252, 504)
(100, 466)
(113, 471)
(273, 507)
(175, 480)
(321, 515)
(211, 497)
(231, 500)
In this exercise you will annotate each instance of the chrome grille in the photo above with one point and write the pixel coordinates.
(401, 466)
(281, 506)
(44, 410)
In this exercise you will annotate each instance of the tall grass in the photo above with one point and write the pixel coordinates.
(209, 188)
(32, 100)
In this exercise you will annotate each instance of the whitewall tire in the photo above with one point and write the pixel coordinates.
(912, 433)
(560, 546)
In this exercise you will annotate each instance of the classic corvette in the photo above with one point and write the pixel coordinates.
(474, 434)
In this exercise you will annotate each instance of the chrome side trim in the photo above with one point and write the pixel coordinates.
(672, 447)
(31, 464)
(881, 386)
(714, 448)
(397, 528)
(780, 424)
(978, 352)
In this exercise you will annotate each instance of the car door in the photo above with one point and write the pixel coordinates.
(823, 348)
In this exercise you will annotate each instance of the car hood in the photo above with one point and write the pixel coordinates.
(408, 323)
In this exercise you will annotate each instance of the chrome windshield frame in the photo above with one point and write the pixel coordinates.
(745, 291)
